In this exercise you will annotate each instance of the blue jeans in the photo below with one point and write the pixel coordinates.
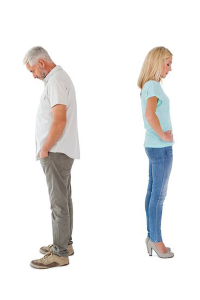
(160, 165)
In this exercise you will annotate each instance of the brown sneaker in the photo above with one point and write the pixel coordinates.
(50, 260)
(46, 249)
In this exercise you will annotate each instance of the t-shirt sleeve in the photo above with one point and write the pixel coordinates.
(154, 91)
(58, 92)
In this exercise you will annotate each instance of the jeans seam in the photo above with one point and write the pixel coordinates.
(159, 198)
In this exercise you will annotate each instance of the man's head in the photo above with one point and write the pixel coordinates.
(38, 62)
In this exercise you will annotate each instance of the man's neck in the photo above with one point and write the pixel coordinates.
(49, 67)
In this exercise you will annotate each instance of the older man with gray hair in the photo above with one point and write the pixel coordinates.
(57, 145)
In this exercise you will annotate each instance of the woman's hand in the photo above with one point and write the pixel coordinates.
(167, 136)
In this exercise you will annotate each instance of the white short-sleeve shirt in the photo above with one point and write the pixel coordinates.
(58, 89)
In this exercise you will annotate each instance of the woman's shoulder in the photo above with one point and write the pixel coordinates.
(150, 89)
(151, 83)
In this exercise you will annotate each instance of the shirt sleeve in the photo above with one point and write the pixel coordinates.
(154, 91)
(58, 92)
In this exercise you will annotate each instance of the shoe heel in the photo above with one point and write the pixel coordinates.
(149, 250)
(146, 242)
(152, 245)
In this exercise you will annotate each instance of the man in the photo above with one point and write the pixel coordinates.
(57, 146)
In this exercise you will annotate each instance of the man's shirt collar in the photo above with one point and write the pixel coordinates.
(52, 72)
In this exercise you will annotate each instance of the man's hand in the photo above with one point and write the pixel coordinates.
(43, 153)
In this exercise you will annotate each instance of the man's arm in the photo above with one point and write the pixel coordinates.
(57, 128)
(154, 122)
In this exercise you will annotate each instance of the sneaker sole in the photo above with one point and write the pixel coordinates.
(53, 265)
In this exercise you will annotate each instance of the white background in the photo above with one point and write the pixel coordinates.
(101, 45)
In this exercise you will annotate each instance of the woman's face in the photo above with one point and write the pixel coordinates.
(166, 67)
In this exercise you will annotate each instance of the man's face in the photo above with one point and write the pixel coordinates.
(37, 70)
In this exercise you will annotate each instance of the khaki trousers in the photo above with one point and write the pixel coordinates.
(57, 168)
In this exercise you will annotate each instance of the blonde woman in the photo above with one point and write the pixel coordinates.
(158, 143)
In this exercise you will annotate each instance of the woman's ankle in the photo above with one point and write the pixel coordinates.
(161, 247)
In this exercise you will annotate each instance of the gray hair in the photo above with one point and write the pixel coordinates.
(34, 54)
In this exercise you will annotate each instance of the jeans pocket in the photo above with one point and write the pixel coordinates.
(169, 151)
(150, 152)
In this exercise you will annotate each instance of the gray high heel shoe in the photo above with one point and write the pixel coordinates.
(146, 241)
(151, 246)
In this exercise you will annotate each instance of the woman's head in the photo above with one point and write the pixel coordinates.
(156, 65)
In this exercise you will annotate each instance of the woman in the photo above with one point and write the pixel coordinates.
(158, 143)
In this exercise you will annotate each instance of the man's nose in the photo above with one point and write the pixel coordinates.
(34, 76)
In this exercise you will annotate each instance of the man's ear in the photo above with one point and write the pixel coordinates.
(28, 66)
(41, 63)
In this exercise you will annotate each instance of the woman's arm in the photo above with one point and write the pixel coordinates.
(153, 120)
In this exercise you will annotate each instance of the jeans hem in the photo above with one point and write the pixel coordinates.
(156, 241)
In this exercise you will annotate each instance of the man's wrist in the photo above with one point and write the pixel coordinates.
(44, 149)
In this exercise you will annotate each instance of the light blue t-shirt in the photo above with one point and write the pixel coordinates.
(153, 89)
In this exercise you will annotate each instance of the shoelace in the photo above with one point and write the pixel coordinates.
(50, 246)
(47, 255)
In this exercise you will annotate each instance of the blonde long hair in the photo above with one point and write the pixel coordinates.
(152, 66)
